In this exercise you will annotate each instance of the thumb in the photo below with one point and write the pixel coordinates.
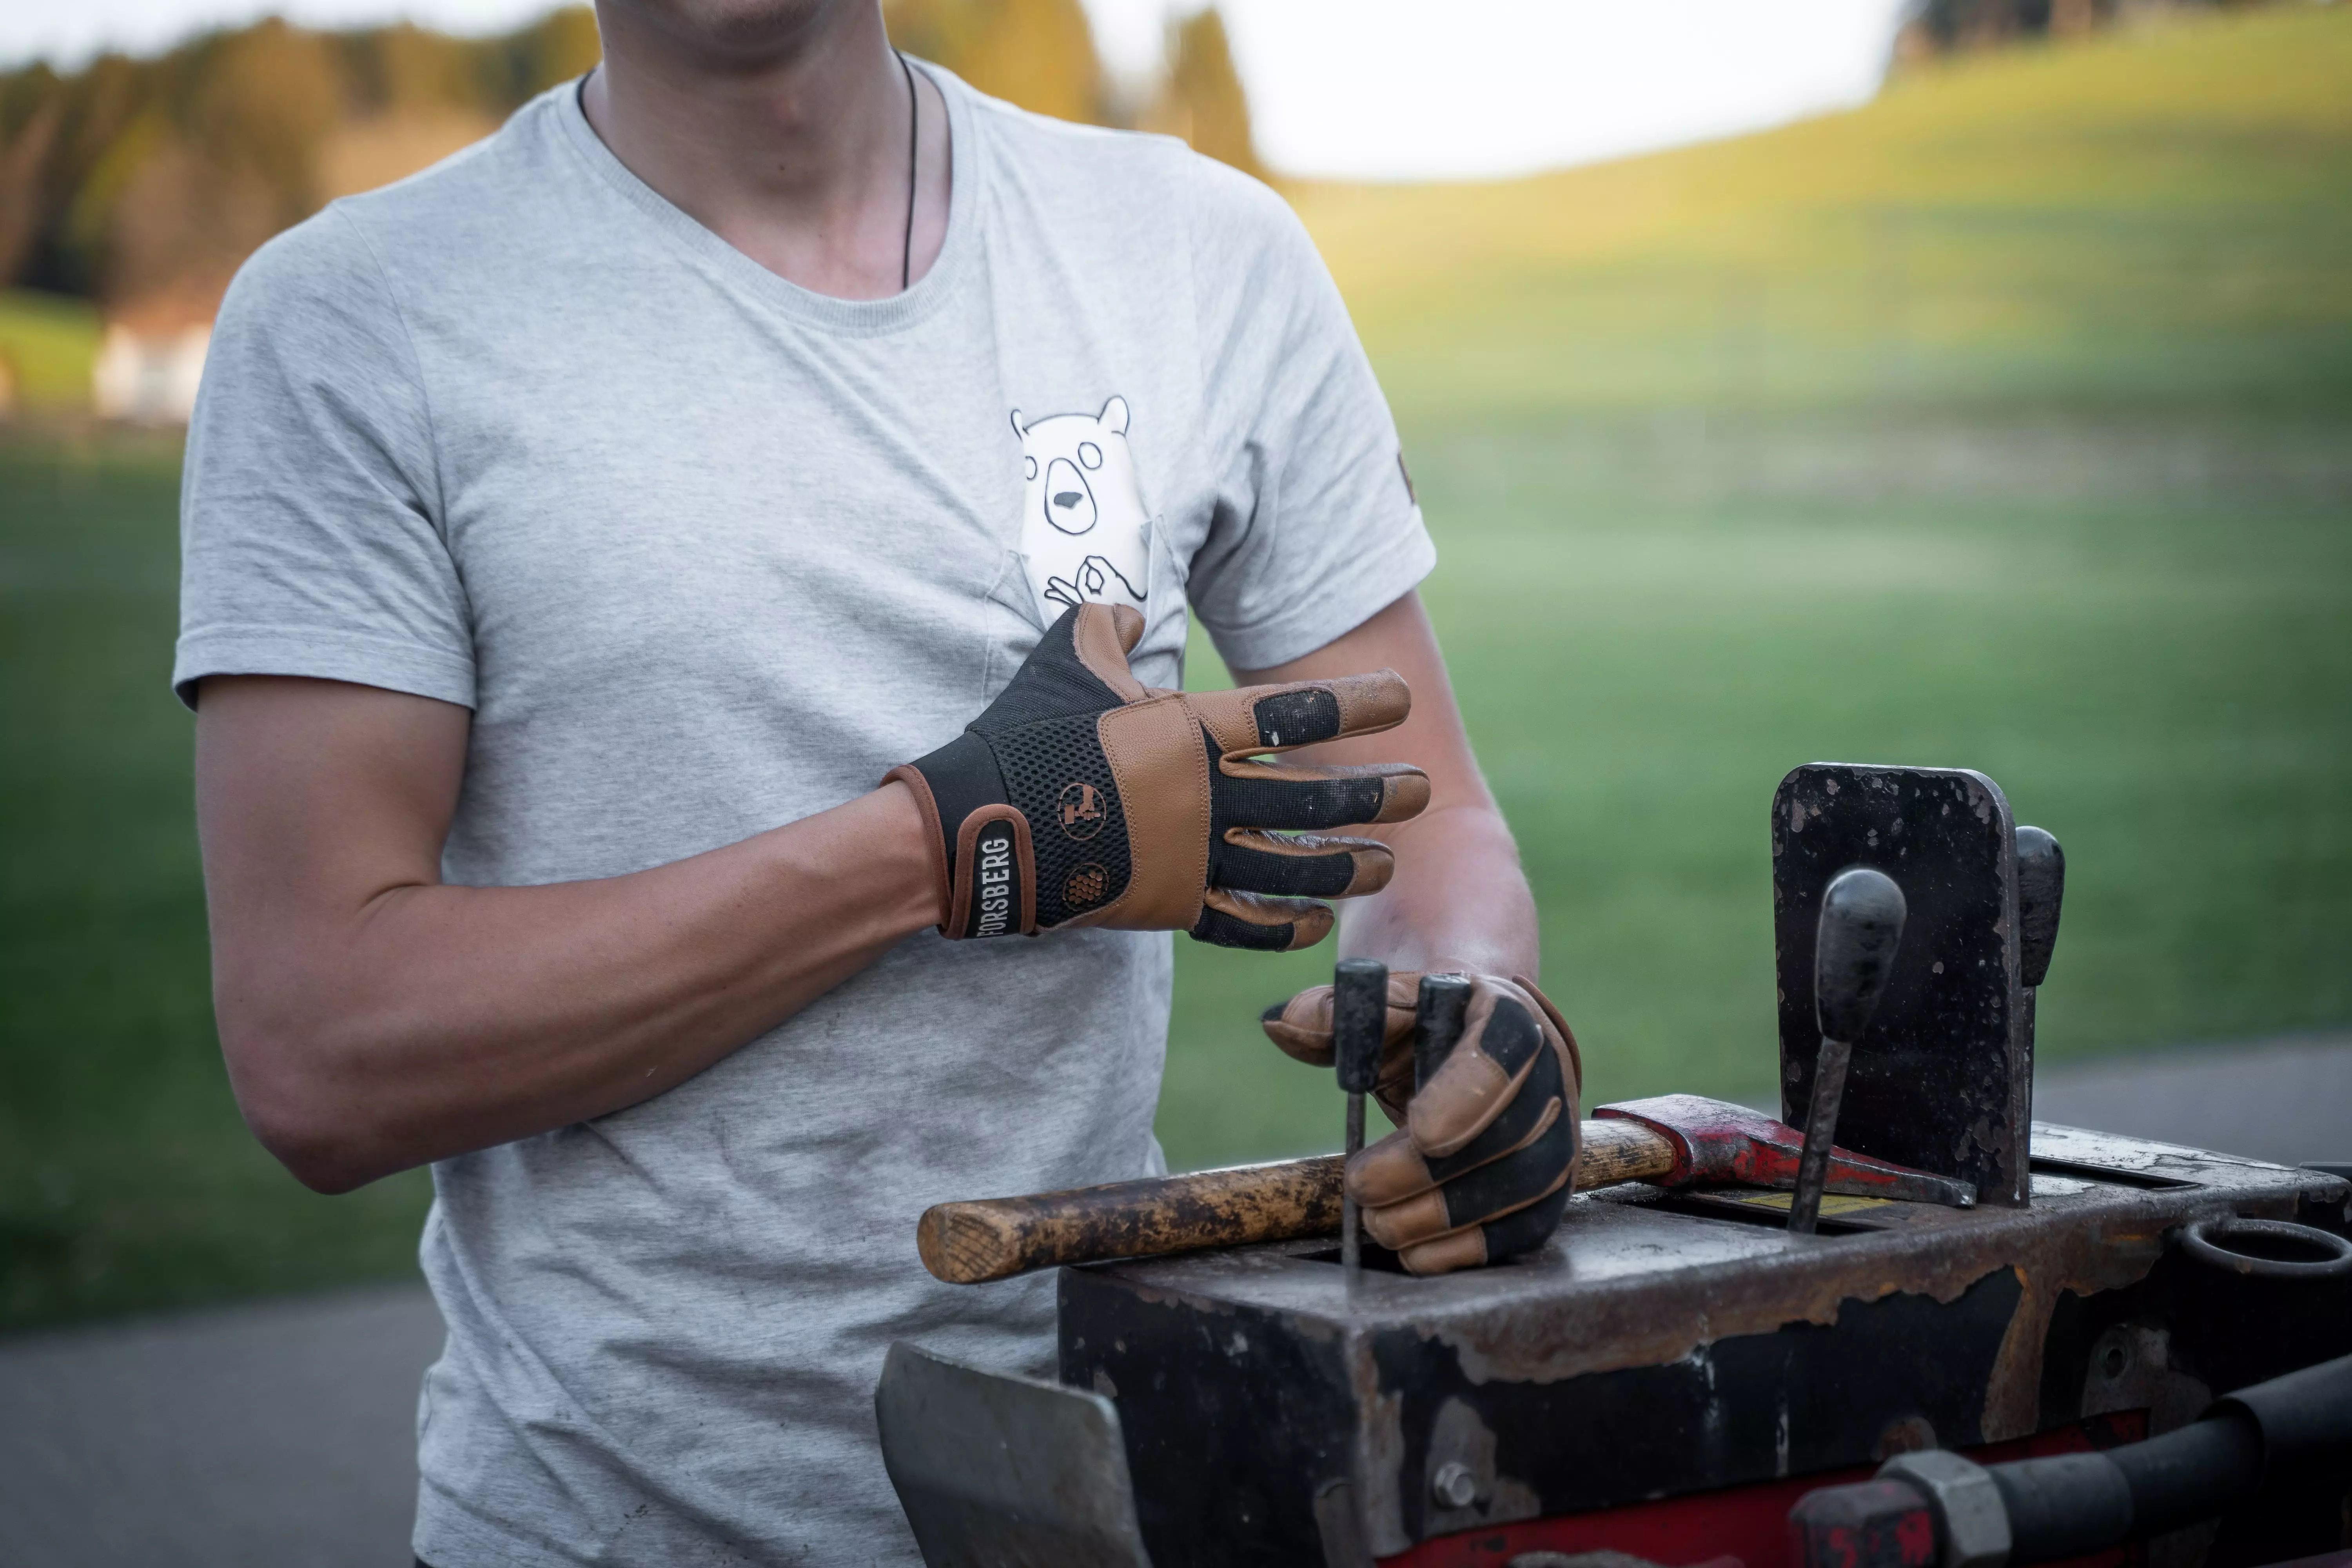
(1125, 626)
(1302, 1026)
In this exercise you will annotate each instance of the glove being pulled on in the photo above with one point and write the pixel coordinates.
(1480, 1166)
(1082, 798)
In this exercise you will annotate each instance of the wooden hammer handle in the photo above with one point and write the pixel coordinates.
(1289, 1200)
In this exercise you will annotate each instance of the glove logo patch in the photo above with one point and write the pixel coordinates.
(1085, 886)
(997, 890)
(1081, 812)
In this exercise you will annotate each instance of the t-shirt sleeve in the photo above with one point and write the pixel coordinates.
(1314, 528)
(311, 536)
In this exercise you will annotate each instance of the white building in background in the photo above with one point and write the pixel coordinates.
(151, 354)
(149, 362)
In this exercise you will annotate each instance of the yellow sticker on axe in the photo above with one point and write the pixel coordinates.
(1831, 1203)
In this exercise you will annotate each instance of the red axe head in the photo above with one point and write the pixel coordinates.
(1718, 1143)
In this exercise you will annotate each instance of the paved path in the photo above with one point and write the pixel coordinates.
(269, 1434)
(2289, 1100)
(278, 1434)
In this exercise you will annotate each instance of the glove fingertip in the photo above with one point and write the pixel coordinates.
(1374, 869)
(1309, 1046)
(1313, 924)
(1369, 703)
(1447, 1254)
(1403, 795)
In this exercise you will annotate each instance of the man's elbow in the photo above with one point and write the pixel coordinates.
(299, 1109)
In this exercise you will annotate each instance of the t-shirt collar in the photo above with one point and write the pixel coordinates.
(849, 317)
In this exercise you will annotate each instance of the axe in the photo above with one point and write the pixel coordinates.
(1671, 1140)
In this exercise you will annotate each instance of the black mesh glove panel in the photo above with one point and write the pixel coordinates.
(1082, 798)
(1480, 1166)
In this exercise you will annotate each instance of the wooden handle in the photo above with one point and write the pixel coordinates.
(972, 1242)
(995, 1239)
(1617, 1152)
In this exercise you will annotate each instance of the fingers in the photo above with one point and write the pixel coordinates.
(1304, 867)
(1479, 1196)
(1395, 1168)
(1264, 925)
(1519, 1231)
(1276, 718)
(1102, 635)
(1299, 1038)
(1502, 1036)
(1481, 1169)
(1296, 797)
(1302, 1027)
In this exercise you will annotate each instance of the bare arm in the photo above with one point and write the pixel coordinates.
(1459, 899)
(373, 1018)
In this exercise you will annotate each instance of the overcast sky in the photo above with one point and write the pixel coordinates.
(1368, 89)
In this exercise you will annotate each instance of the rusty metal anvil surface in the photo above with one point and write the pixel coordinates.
(1665, 1343)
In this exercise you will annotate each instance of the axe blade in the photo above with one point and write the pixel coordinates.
(1722, 1144)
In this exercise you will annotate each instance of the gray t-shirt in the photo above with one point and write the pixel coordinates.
(706, 553)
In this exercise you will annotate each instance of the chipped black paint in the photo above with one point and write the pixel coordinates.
(1652, 1350)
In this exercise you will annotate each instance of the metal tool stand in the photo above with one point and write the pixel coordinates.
(1945, 1083)
(1675, 1369)
(1684, 1347)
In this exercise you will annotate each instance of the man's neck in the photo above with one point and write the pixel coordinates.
(793, 150)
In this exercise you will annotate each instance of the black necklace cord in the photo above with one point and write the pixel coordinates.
(914, 129)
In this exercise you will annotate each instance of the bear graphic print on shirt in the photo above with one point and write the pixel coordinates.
(1081, 510)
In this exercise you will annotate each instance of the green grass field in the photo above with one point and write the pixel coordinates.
(126, 1179)
(2005, 422)
(2062, 491)
(48, 347)
(2141, 627)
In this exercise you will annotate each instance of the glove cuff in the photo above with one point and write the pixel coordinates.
(993, 887)
(979, 844)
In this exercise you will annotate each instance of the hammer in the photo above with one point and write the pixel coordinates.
(1672, 1141)
(1853, 950)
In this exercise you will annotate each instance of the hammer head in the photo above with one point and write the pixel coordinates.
(1718, 1143)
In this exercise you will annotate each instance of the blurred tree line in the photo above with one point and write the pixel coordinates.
(134, 179)
(1932, 27)
(147, 181)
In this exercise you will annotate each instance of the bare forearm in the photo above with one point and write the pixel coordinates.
(1458, 901)
(438, 1019)
(373, 1018)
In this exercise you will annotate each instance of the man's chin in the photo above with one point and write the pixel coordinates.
(739, 28)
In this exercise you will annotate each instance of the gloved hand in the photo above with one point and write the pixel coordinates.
(1082, 798)
(1479, 1167)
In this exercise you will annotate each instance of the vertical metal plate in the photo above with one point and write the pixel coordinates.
(1943, 1077)
(998, 1471)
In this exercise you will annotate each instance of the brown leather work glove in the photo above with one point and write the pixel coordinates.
(1480, 1166)
(1081, 797)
